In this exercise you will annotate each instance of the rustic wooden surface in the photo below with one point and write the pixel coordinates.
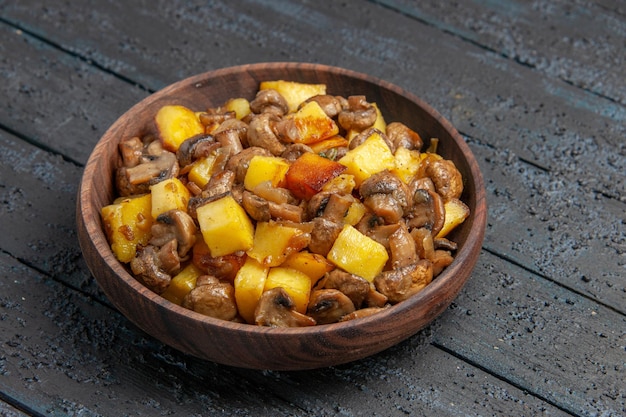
(538, 89)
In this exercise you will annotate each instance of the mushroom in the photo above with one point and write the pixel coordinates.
(353, 286)
(213, 298)
(323, 235)
(329, 306)
(258, 208)
(269, 101)
(359, 115)
(155, 266)
(440, 260)
(365, 134)
(427, 211)
(331, 105)
(230, 134)
(195, 147)
(446, 177)
(261, 133)
(402, 136)
(295, 150)
(399, 284)
(277, 309)
(174, 225)
(213, 118)
(131, 150)
(402, 248)
(155, 165)
(385, 195)
(363, 312)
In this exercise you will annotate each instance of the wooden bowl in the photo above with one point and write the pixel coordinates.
(256, 347)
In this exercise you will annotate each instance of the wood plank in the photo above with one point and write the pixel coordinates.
(536, 334)
(67, 353)
(6, 410)
(571, 41)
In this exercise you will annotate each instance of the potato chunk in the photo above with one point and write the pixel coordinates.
(176, 124)
(294, 92)
(358, 254)
(370, 157)
(169, 195)
(313, 125)
(249, 284)
(297, 284)
(265, 168)
(273, 243)
(127, 224)
(225, 226)
(308, 174)
(182, 284)
(456, 213)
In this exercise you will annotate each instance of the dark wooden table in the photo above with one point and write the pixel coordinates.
(538, 89)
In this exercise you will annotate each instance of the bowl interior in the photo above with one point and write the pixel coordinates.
(276, 348)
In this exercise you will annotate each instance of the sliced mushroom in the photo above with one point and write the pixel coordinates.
(353, 286)
(295, 150)
(385, 207)
(365, 134)
(213, 118)
(332, 105)
(230, 138)
(131, 150)
(156, 165)
(147, 265)
(269, 101)
(446, 177)
(385, 195)
(196, 147)
(440, 260)
(427, 211)
(277, 309)
(402, 136)
(323, 235)
(177, 225)
(220, 183)
(402, 248)
(258, 208)
(213, 298)
(399, 284)
(329, 306)
(261, 134)
(359, 115)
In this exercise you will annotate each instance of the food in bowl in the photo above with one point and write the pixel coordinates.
(293, 209)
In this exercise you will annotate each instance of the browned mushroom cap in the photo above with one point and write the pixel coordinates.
(402, 248)
(258, 208)
(385, 195)
(269, 101)
(329, 306)
(295, 151)
(277, 309)
(402, 136)
(261, 133)
(230, 135)
(399, 284)
(156, 164)
(195, 147)
(353, 286)
(174, 225)
(148, 266)
(446, 177)
(323, 235)
(131, 150)
(240, 162)
(331, 105)
(359, 115)
(213, 298)
(427, 211)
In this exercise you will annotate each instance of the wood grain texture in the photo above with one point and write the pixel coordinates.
(552, 154)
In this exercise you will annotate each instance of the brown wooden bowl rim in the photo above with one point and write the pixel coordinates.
(467, 253)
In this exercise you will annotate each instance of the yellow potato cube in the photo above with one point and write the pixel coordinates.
(312, 264)
(358, 254)
(249, 284)
(240, 106)
(265, 168)
(406, 163)
(274, 242)
(342, 184)
(176, 124)
(370, 157)
(356, 211)
(295, 93)
(455, 213)
(169, 195)
(201, 171)
(181, 284)
(380, 122)
(313, 125)
(225, 226)
(295, 283)
(127, 224)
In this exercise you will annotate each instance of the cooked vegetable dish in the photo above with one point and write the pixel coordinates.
(295, 208)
